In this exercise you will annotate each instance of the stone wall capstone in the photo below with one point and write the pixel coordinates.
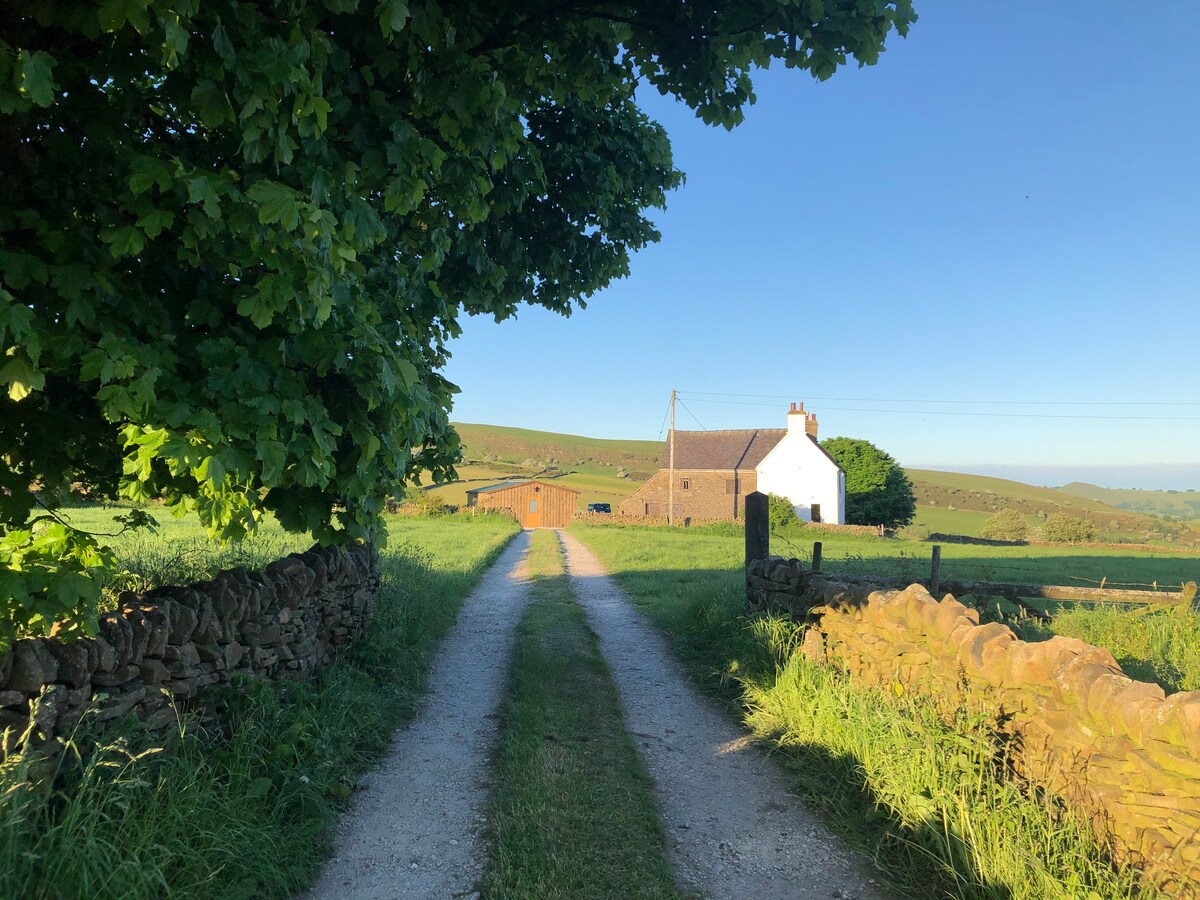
(294, 616)
(1123, 754)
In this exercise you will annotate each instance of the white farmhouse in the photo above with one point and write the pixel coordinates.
(797, 468)
(715, 470)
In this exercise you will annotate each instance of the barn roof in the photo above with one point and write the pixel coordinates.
(723, 450)
(505, 485)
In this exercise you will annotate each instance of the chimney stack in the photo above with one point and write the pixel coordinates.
(797, 418)
(810, 425)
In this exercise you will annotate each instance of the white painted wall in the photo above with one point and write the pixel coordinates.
(798, 469)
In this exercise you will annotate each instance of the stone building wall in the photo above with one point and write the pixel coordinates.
(291, 618)
(708, 495)
(1124, 754)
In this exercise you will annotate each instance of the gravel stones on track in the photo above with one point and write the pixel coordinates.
(415, 829)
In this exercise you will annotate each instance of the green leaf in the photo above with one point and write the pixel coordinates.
(125, 240)
(393, 16)
(276, 204)
(200, 190)
(273, 455)
(155, 221)
(36, 79)
(21, 377)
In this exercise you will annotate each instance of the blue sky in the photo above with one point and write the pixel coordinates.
(1005, 210)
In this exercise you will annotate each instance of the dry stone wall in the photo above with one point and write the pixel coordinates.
(1124, 754)
(291, 618)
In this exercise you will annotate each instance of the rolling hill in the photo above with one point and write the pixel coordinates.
(959, 504)
(949, 502)
(1183, 505)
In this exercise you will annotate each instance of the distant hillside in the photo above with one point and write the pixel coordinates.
(498, 443)
(1183, 505)
(960, 504)
(609, 470)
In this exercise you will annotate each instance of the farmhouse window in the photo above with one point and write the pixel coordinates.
(686, 484)
(816, 512)
(731, 485)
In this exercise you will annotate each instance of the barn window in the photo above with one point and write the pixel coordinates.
(532, 505)
(816, 512)
(686, 484)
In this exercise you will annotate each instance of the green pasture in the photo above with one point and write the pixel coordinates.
(573, 452)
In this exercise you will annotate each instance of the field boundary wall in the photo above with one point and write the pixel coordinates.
(1123, 754)
(286, 621)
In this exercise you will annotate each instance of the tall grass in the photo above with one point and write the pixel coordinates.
(922, 798)
(928, 794)
(244, 809)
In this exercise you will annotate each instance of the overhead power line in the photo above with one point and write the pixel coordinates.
(693, 415)
(984, 415)
(695, 395)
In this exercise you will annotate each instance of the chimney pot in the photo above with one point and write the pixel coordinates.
(793, 409)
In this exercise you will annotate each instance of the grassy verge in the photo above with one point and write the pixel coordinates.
(918, 796)
(244, 812)
(572, 812)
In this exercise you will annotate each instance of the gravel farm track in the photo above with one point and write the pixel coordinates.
(416, 829)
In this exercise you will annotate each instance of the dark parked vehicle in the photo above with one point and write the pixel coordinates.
(599, 508)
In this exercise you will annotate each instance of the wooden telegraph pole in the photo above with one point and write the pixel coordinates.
(671, 468)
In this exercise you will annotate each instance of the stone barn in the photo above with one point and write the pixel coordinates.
(535, 504)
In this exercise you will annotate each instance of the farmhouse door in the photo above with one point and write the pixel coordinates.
(533, 513)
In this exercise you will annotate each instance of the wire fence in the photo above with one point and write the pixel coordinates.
(917, 567)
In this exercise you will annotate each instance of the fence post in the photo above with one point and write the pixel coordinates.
(816, 562)
(758, 534)
(935, 572)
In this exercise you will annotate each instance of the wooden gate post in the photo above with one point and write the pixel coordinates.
(816, 559)
(758, 534)
(935, 571)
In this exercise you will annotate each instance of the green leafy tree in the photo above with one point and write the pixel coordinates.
(1006, 525)
(877, 490)
(1063, 529)
(781, 514)
(235, 236)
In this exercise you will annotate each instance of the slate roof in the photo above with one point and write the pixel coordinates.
(726, 450)
(722, 450)
(504, 485)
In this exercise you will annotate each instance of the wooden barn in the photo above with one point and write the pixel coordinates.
(535, 504)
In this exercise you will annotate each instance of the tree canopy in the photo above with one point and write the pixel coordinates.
(235, 236)
(877, 490)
